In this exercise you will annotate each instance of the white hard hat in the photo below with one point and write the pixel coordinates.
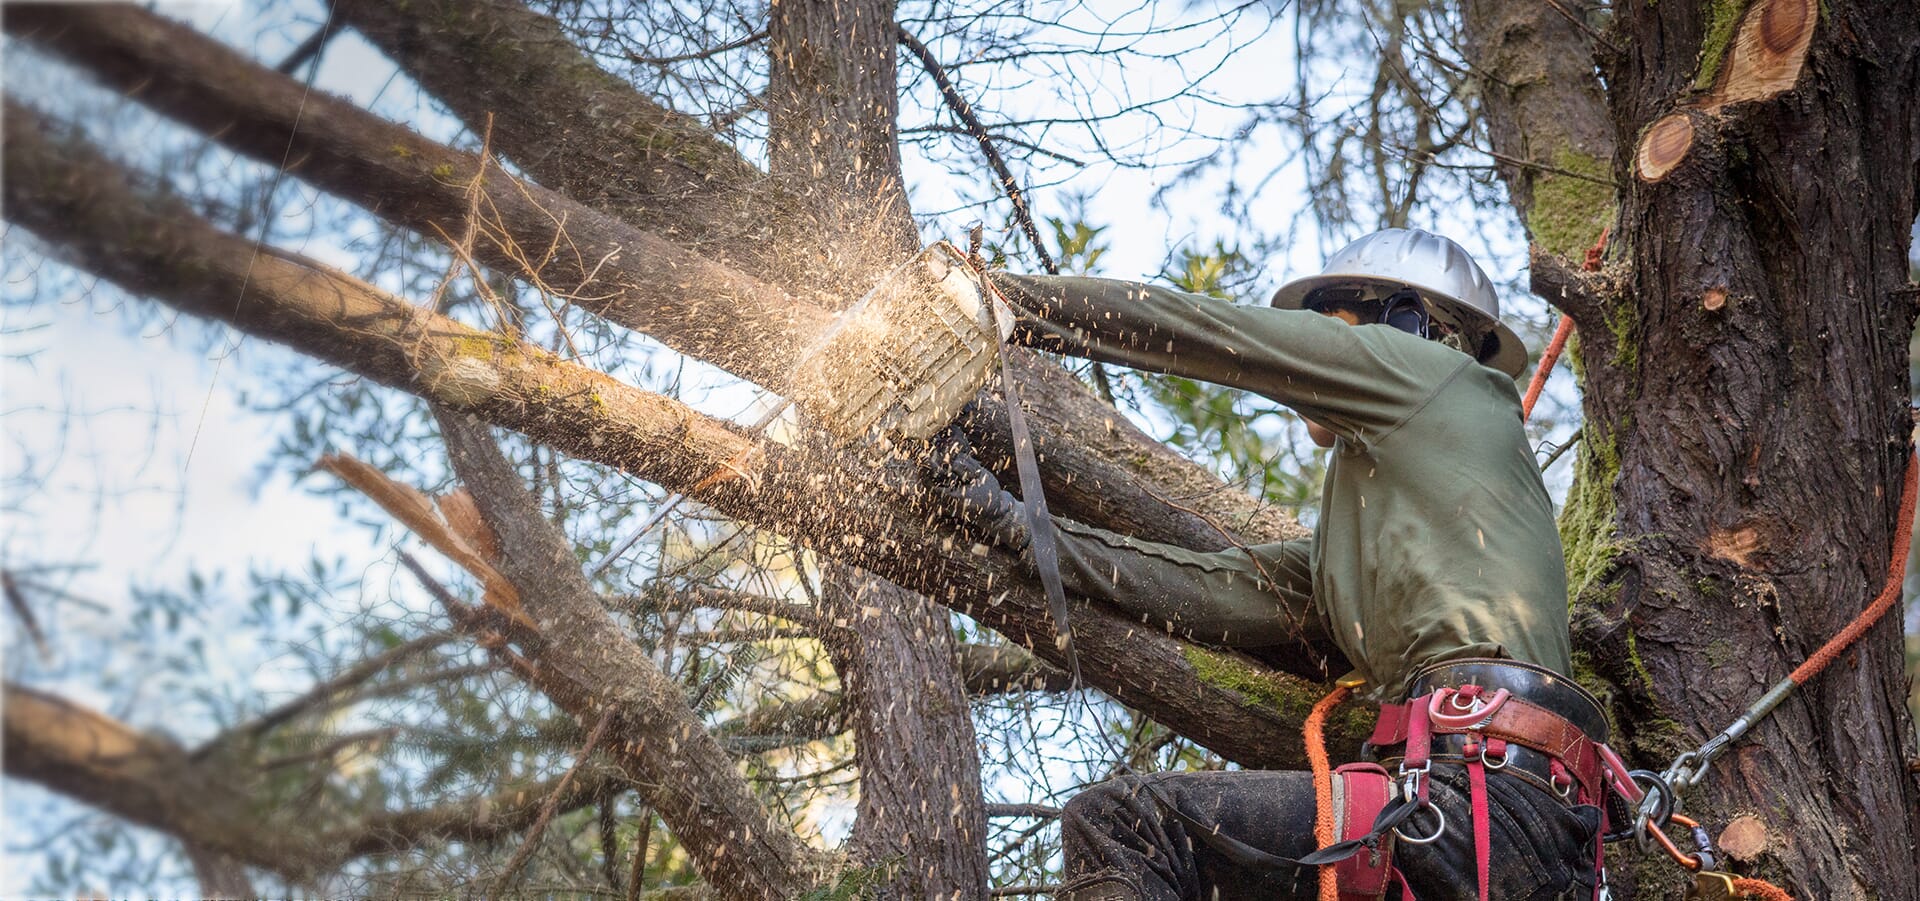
(1441, 271)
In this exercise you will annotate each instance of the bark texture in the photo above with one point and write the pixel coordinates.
(1747, 421)
(921, 817)
(1546, 115)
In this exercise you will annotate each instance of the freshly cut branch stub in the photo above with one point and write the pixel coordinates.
(1664, 146)
(1768, 52)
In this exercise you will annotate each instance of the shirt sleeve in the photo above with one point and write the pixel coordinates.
(1253, 597)
(1360, 381)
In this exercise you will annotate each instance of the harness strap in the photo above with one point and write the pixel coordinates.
(1482, 818)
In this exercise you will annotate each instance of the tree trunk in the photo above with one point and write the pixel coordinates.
(1747, 416)
(922, 818)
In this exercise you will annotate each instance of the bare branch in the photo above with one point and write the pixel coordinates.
(1584, 296)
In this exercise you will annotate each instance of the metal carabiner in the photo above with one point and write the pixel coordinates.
(1410, 780)
(1656, 806)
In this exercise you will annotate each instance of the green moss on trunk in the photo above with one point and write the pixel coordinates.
(1570, 210)
(1723, 19)
(1587, 522)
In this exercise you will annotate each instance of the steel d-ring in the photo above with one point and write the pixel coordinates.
(1439, 829)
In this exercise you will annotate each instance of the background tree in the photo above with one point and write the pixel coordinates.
(602, 185)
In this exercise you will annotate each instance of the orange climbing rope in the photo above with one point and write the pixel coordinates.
(1322, 767)
(1889, 595)
(1547, 358)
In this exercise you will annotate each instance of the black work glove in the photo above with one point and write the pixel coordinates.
(985, 507)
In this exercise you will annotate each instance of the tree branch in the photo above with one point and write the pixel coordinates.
(346, 680)
(1583, 296)
(589, 668)
(1097, 466)
(151, 781)
(603, 265)
(69, 196)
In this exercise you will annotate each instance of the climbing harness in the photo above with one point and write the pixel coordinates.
(1654, 799)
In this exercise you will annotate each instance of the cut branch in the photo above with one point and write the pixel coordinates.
(1098, 466)
(1583, 296)
(69, 196)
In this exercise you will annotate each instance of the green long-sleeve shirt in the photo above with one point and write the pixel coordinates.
(1436, 539)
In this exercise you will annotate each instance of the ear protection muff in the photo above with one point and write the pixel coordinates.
(1404, 310)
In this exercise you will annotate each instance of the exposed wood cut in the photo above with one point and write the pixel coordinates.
(1664, 146)
(1715, 298)
(1768, 52)
(1744, 838)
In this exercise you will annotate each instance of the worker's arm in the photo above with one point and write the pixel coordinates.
(1259, 596)
(1253, 597)
(1360, 381)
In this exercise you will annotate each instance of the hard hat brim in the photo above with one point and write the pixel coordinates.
(1510, 356)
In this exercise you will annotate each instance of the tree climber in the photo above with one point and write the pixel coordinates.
(1434, 565)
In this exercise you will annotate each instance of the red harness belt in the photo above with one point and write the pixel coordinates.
(1491, 722)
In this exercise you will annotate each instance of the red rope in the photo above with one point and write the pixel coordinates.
(1889, 596)
(1547, 358)
(1760, 890)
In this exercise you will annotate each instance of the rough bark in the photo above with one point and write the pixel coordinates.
(1546, 115)
(1129, 482)
(67, 195)
(921, 816)
(587, 666)
(1747, 420)
(832, 101)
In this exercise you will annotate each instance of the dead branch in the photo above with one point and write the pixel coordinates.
(588, 667)
(1584, 296)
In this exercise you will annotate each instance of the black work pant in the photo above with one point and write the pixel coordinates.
(1542, 850)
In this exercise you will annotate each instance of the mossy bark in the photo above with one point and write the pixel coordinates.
(1756, 408)
(1744, 386)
